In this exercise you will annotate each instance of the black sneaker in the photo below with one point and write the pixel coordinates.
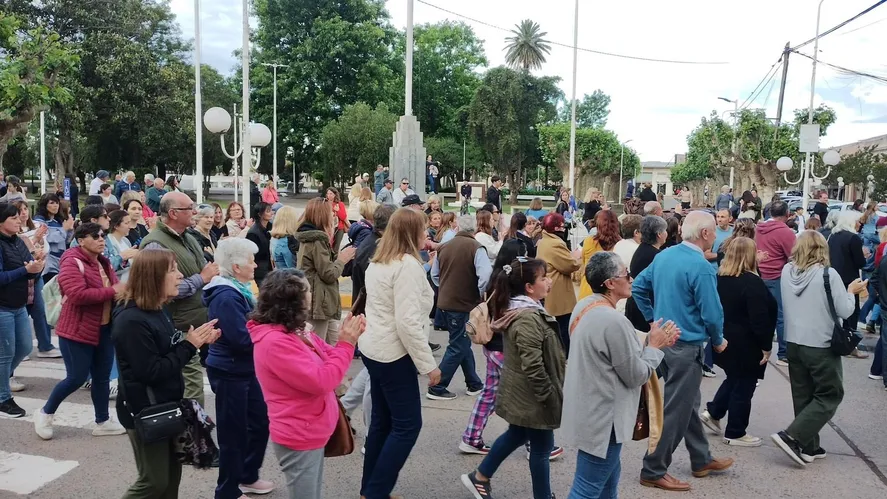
(789, 446)
(471, 391)
(440, 395)
(11, 410)
(817, 454)
(434, 347)
(478, 489)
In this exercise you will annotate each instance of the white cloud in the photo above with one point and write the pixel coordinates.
(654, 104)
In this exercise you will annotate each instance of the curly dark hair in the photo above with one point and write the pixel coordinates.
(283, 299)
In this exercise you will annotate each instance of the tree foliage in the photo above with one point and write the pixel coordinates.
(598, 151)
(751, 147)
(504, 117)
(33, 63)
(591, 111)
(356, 142)
(449, 153)
(527, 47)
(445, 64)
(339, 52)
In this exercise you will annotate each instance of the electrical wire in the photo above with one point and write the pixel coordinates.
(839, 26)
(844, 70)
(863, 27)
(567, 45)
(763, 83)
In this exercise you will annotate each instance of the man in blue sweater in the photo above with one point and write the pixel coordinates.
(686, 290)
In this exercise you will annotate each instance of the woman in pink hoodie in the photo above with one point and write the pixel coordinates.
(298, 372)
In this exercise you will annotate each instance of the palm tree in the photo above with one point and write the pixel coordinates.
(527, 48)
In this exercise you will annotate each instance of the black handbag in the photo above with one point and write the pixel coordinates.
(844, 340)
(159, 422)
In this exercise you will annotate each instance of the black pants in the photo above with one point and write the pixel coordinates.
(851, 322)
(563, 323)
(733, 398)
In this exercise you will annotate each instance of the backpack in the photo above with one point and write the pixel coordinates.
(478, 326)
(53, 298)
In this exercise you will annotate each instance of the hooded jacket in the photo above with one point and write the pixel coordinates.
(359, 231)
(531, 390)
(805, 307)
(774, 237)
(233, 351)
(315, 258)
(299, 384)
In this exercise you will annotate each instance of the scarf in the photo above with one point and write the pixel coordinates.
(524, 301)
(244, 290)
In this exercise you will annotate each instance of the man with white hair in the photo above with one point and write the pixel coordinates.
(154, 194)
(848, 255)
(148, 179)
(653, 208)
(461, 271)
(176, 211)
(686, 290)
(127, 184)
(776, 239)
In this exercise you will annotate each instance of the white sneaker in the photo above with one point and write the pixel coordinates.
(875, 376)
(43, 424)
(51, 354)
(744, 441)
(112, 394)
(260, 487)
(15, 385)
(714, 425)
(108, 428)
(782, 363)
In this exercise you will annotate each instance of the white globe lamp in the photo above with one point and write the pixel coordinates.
(217, 120)
(831, 158)
(259, 135)
(784, 164)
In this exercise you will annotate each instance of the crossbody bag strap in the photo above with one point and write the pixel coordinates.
(828, 296)
(578, 317)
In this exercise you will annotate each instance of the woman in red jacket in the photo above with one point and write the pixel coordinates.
(89, 285)
(341, 214)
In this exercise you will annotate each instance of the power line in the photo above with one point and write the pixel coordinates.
(846, 71)
(839, 26)
(864, 27)
(766, 79)
(567, 45)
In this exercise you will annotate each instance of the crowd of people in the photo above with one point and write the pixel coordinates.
(153, 293)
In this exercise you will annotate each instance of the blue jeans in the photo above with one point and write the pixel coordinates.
(458, 354)
(431, 186)
(598, 478)
(15, 345)
(776, 291)
(541, 444)
(394, 425)
(82, 360)
(242, 418)
(879, 360)
(37, 311)
(870, 305)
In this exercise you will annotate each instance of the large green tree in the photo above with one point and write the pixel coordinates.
(33, 63)
(505, 115)
(356, 142)
(591, 111)
(447, 58)
(751, 147)
(339, 52)
(527, 47)
(598, 151)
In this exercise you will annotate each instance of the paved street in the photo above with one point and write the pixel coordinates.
(77, 465)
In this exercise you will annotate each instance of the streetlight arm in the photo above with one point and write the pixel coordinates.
(225, 150)
(800, 179)
(817, 177)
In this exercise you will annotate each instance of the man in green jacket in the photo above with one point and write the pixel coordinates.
(176, 210)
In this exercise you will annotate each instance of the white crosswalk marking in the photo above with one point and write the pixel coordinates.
(24, 473)
(68, 414)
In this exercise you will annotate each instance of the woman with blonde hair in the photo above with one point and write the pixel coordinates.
(448, 227)
(394, 347)
(433, 204)
(363, 228)
(354, 198)
(536, 210)
(435, 224)
(315, 257)
(815, 371)
(592, 205)
(484, 234)
(284, 246)
(269, 193)
(749, 323)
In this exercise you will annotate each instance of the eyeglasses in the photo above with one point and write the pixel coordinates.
(100, 235)
(622, 276)
(404, 183)
(189, 208)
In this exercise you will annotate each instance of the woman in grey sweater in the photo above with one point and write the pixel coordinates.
(608, 367)
(815, 371)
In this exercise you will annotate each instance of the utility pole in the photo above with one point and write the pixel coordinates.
(785, 53)
(274, 168)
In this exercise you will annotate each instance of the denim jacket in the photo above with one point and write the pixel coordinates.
(57, 238)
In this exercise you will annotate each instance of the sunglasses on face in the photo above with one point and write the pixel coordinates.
(100, 235)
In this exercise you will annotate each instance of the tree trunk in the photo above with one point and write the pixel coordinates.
(64, 153)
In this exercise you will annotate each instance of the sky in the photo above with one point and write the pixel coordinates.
(656, 105)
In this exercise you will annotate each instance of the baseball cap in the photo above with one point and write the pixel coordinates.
(411, 200)
(102, 174)
(388, 181)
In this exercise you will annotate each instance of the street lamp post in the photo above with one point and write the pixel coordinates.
(274, 126)
(621, 157)
(198, 107)
(809, 140)
(218, 121)
(573, 100)
(735, 103)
